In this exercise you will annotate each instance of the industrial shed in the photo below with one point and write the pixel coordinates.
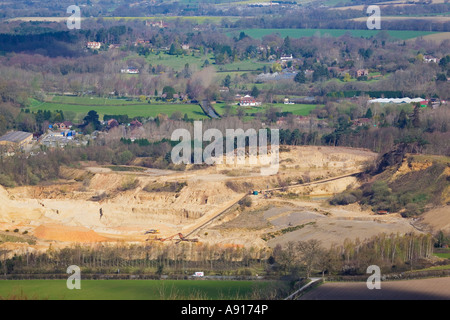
(16, 138)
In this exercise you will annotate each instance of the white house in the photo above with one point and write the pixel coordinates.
(94, 45)
(427, 58)
(286, 57)
(130, 70)
(249, 101)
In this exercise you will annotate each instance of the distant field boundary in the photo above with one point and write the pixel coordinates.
(258, 33)
(127, 276)
(101, 105)
(394, 276)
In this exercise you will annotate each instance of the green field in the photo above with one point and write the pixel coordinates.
(78, 107)
(296, 109)
(298, 33)
(177, 62)
(131, 289)
(443, 255)
(246, 65)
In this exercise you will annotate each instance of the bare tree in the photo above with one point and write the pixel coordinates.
(309, 254)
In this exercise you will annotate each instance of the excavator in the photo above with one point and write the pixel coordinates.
(180, 235)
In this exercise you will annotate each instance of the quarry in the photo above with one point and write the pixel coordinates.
(219, 204)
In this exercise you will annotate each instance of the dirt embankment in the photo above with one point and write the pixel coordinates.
(68, 234)
(437, 219)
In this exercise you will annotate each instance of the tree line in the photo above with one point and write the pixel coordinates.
(392, 253)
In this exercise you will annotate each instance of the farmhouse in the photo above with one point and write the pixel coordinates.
(16, 139)
(287, 101)
(112, 123)
(130, 70)
(135, 124)
(428, 58)
(62, 125)
(156, 24)
(94, 45)
(65, 125)
(141, 42)
(362, 73)
(249, 101)
(286, 57)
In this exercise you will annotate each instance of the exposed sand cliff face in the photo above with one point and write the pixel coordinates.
(437, 219)
(88, 205)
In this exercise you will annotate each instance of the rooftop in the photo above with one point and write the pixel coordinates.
(15, 136)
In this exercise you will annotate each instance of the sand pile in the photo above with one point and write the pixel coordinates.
(66, 233)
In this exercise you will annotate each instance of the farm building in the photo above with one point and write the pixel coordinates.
(428, 58)
(16, 138)
(395, 100)
(286, 57)
(94, 45)
(362, 73)
(112, 123)
(130, 70)
(156, 24)
(65, 125)
(249, 101)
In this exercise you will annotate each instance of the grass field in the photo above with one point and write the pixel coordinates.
(78, 107)
(298, 33)
(131, 289)
(443, 255)
(296, 109)
(178, 62)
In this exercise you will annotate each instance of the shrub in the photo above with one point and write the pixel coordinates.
(239, 186)
(6, 181)
(246, 202)
(129, 184)
(124, 157)
(165, 187)
(343, 199)
(411, 209)
(99, 197)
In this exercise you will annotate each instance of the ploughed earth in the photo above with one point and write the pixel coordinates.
(92, 204)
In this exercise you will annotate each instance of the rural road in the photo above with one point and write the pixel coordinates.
(209, 111)
(313, 280)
